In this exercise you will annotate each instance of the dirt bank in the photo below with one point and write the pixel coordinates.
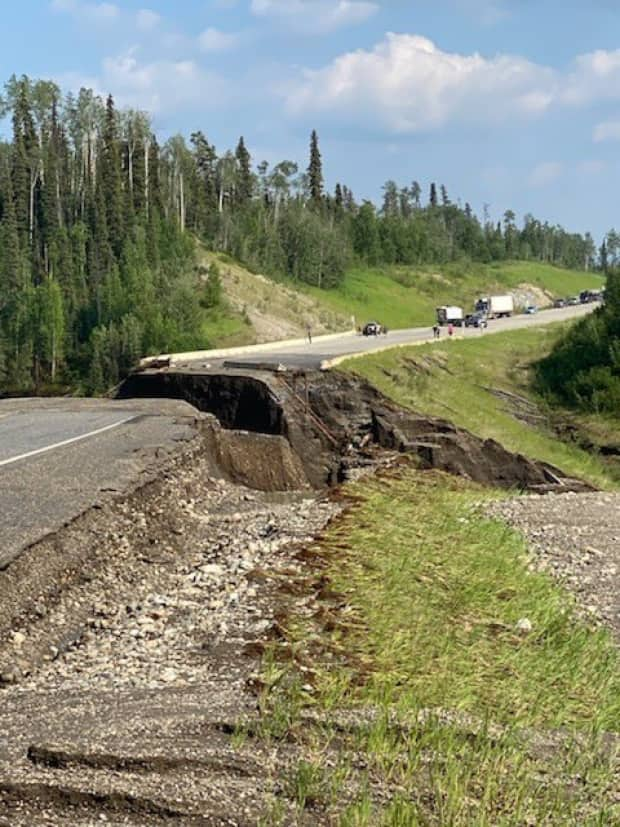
(128, 672)
(330, 419)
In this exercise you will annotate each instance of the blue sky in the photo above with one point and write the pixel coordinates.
(512, 103)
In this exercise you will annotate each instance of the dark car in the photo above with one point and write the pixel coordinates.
(559, 303)
(476, 320)
(373, 329)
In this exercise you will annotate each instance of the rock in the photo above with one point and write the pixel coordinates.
(524, 626)
(19, 638)
(168, 675)
(9, 675)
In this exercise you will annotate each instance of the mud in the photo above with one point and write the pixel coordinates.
(329, 420)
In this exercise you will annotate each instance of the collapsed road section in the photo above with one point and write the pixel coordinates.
(324, 423)
(131, 634)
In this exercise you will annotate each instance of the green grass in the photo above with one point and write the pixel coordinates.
(406, 297)
(422, 594)
(224, 328)
(452, 380)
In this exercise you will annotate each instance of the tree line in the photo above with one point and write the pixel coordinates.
(98, 225)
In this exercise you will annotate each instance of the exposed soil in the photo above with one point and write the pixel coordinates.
(329, 418)
(130, 643)
(124, 684)
(274, 310)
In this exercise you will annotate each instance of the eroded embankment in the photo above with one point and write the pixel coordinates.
(330, 421)
(130, 643)
(131, 649)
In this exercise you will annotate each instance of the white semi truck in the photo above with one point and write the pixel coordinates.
(450, 315)
(496, 307)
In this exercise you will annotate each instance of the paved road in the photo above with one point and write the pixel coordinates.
(325, 349)
(59, 457)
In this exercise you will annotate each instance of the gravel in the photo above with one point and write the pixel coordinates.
(576, 538)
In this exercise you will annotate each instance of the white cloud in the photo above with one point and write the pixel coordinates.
(158, 87)
(596, 76)
(408, 85)
(606, 131)
(214, 40)
(545, 173)
(315, 16)
(147, 19)
(92, 12)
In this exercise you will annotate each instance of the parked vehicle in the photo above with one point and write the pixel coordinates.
(476, 320)
(496, 307)
(450, 315)
(531, 309)
(559, 303)
(374, 329)
(572, 300)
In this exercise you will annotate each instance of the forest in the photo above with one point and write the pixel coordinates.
(99, 224)
(583, 370)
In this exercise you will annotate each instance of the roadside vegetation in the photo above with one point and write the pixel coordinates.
(484, 384)
(447, 683)
(583, 369)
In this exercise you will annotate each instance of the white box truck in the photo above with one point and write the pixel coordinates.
(496, 307)
(450, 315)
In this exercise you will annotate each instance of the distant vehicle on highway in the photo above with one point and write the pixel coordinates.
(572, 300)
(531, 309)
(476, 320)
(496, 307)
(587, 296)
(559, 303)
(374, 329)
(448, 314)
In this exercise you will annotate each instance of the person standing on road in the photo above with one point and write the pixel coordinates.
(309, 334)
(436, 331)
(451, 330)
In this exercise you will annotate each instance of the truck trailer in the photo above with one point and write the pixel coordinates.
(496, 307)
(450, 315)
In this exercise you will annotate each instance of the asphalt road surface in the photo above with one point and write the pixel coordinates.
(60, 457)
(325, 349)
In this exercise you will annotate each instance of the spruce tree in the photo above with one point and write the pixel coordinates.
(315, 171)
(244, 174)
(433, 195)
(111, 178)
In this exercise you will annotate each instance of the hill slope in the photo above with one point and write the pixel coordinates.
(268, 310)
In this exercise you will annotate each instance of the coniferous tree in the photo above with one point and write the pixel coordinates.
(433, 195)
(315, 170)
(244, 174)
(111, 190)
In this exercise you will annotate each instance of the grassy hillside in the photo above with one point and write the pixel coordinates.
(403, 297)
(264, 309)
(459, 381)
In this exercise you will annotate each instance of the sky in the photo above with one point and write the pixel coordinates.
(510, 103)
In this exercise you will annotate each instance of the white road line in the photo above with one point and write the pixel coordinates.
(67, 441)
